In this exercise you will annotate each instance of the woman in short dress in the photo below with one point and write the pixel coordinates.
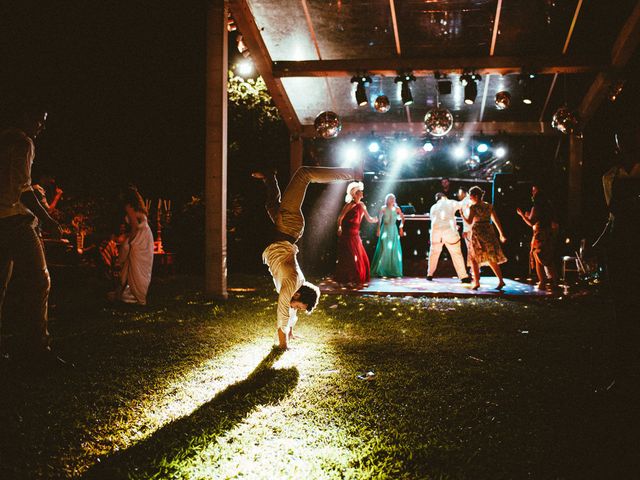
(542, 254)
(353, 267)
(485, 246)
(387, 260)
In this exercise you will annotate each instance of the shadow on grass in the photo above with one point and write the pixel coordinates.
(161, 454)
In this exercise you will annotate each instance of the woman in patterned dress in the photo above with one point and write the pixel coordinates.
(485, 247)
(353, 262)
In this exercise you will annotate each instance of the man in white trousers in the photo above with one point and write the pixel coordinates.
(444, 232)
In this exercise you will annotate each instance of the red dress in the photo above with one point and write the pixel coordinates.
(353, 262)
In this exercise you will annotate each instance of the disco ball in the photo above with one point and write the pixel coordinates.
(565, 121)
(438, 121)
(473, 161)
(503, 100)
(382, 104)
(327, 124)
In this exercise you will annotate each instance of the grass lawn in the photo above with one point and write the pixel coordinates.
(191, 388)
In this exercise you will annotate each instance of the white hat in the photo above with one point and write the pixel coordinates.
(351, 189)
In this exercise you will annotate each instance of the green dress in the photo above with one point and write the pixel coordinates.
(387, 260)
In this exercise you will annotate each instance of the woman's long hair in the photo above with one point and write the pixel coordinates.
(386, 200)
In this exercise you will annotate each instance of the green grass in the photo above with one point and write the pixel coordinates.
(191, 388)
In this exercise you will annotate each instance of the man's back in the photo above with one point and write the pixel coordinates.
(442, 214)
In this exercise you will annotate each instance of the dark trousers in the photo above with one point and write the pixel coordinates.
(21, 246)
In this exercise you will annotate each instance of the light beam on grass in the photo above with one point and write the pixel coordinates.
(181, 397)
(284, 440)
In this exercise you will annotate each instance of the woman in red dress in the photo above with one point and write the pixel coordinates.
(353, 262)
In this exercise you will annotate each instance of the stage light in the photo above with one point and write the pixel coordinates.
(470, 83)
(350, 155)
(245, 68)
(374, 147)
(405, 94)
(405, 90)
(473, 161)
(500, 152)
(459, 152)
(401, 153)
(427, 147)
(482, 148)
(361, 92)
(526, 82)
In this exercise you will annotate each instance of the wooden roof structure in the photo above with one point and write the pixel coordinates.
(307, 51)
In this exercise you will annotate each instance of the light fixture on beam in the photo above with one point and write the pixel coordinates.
(405, 90)
(526, 83)
(361, 92)
(470, 83)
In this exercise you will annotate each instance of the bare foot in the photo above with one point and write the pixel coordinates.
(500, 285)
(476, 286)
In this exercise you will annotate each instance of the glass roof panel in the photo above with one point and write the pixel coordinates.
(284, 29)
(353, 28)
(445, 27)
(599, 25)
(534, 27)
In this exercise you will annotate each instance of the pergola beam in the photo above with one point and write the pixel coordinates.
(623, 48)
(428, 66)
(417, 128)
(262, 60)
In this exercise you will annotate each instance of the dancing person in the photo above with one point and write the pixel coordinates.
(485, 247)
(353, 262)
(542, 254)
(45, 183)
(387, 259)
(294, 293)
(465, 204)
(444, 232)
(135, 258)
(20, 242)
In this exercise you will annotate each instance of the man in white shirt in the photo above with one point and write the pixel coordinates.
(444, 232)
(20, 243)
(294, 293)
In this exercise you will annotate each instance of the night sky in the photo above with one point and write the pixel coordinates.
(125, 86)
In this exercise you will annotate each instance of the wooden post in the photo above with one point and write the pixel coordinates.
(216, 151)
(575, 181)
(296, 148)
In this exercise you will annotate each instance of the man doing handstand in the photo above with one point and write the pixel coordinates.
(294, 293)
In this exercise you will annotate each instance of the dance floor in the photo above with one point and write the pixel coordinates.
(439, 287)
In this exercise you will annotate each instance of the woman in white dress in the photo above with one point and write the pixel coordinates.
(136, 254)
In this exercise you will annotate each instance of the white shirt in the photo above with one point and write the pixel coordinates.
(443, 215)
(465, 203)
(16, 157)
(281, 259)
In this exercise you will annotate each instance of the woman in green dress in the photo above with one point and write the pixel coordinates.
(387, 260)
